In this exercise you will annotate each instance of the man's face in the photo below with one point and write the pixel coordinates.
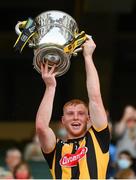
(12, 159)
(22, 172)
(75, 120)
(124, 156)
(131, 123)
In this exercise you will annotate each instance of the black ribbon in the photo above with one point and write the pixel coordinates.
(27, 32)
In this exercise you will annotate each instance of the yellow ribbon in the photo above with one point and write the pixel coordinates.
(78, 40)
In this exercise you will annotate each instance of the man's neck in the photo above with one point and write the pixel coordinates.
(75, 137)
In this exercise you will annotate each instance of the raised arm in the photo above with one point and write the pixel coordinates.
(121, 126)
(96, 108)
(46, 135)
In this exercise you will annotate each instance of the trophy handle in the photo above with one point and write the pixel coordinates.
(75, 46)
(80, 48)
(19, 25)
(76, 51)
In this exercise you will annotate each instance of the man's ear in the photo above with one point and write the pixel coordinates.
(89, 122)
(89, 118)
(62, 120)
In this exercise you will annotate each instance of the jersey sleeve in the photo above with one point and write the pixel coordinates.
(103, 138)
(49, 157)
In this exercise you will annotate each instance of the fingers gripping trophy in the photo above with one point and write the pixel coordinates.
(54, 37)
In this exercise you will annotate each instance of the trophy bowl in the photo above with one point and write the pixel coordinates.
(55, 40)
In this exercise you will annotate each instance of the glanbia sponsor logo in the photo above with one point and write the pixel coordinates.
(70, 160)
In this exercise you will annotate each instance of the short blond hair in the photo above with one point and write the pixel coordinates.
(74, 102)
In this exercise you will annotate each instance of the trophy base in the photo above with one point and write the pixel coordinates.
(53, 55)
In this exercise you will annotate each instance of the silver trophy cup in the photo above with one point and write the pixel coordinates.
(56, 40)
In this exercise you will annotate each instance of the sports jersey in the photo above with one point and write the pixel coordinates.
(83, 158)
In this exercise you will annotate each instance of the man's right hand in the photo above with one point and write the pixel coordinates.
(48, 75)
(45, 133)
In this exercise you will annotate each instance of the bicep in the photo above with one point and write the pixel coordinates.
(97, 114)
(47, 140)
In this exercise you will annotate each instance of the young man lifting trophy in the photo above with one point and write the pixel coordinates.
(84, 154)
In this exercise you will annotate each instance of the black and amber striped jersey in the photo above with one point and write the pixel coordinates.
(82, 158)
